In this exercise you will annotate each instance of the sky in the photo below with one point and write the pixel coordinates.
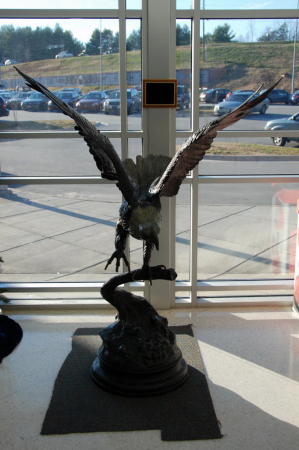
(82, 28)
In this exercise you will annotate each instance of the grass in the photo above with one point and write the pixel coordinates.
(40, 125)
(246, 64)
(240, 149)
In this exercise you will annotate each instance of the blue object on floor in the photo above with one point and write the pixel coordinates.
(10, 335)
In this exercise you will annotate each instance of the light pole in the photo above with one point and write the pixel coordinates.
(294, 58)
(203, 34)
(101, 79)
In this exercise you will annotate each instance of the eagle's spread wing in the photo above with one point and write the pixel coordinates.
(105, 156)
(194, 148)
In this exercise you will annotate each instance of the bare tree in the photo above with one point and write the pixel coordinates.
(251, 28)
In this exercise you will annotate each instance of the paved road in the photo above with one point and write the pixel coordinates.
(251, 122)
(71, 158)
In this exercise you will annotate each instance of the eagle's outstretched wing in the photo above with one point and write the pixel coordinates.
(194, 148)
(105, 156)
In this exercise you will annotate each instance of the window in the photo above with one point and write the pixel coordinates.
(235, 221)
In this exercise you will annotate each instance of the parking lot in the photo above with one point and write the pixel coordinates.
(254, 122)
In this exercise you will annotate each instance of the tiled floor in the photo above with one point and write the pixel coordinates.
(251, 358)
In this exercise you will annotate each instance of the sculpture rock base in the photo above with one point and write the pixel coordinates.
(139, 355)
(139, 383)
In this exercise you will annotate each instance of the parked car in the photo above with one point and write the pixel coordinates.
(35, 102)
(23, 88)
(214, 95)
(235, 100)
(64, 55)
(279, 96)
(238, 92)
(4, 111)
(112, 104)
(8, 62)
(202, 91)
(77, 90)
(83, 53)
(92, 101)
(294, 99)
(287, 123)
(16, 99)
(108, 92)
(183, 97)
(6, 95)
(70, 98)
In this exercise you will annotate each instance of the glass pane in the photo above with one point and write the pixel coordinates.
(218, 4)
(249, 156)
(247, 231)
(183, 74)
(184, 4)
(80, 56)
(134, 91)
(261, 54)
(182, 252)
(238, 56)
(59, 233)
(63, 232)
(66, 4)
(134, 148)
(50, 157)
(133, 4)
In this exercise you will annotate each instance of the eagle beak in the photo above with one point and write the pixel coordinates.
(155, 240)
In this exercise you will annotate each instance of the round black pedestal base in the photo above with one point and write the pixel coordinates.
(139, 383)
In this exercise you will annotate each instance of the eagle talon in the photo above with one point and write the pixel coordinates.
(147, 269)
(134, 274)
(118, 255)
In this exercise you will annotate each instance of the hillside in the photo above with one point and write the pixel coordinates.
(245, 64)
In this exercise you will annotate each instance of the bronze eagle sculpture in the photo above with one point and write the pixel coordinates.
(154, 176)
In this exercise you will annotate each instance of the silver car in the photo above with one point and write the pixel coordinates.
(235, 100)
(290, 123)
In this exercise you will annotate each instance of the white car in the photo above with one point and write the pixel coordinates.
(8, 62)
(236, 99)
(64, 55)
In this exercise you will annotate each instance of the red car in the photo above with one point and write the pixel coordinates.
(93, 102)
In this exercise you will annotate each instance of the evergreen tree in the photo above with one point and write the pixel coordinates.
(115, 43)
(183, 35)
(24, 44)
(134, 41)
(283, 32)
(222, 33)
(93, 45)
(100, 39)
